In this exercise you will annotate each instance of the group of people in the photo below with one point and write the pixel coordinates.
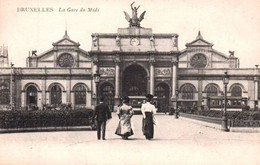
(125, 113)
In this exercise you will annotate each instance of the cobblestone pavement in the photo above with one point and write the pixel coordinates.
(176, 142)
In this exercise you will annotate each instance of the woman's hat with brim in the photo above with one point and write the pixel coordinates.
(149, 96)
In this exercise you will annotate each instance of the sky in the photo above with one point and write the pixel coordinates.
(228, 24)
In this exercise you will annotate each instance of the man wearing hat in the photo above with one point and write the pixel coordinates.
(148, 110)
(101, 114)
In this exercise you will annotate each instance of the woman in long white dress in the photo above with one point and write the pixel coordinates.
(125, 113)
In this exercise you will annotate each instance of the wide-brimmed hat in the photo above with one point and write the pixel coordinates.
(125, 99)
(149, 96)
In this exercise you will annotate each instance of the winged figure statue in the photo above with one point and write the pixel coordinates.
(134, 21)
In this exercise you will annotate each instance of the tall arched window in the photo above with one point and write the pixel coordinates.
(56, 95)
(162, 91)
(236, 91)
(107, 92)
(4, 93)
(187, 92)
(80, 95)
(31, 95)
(212, 91)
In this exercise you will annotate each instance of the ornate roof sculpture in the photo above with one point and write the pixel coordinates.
(134, 21)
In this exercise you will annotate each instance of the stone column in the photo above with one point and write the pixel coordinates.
(152, 78)
(68, 89)
(23, 99)
(117, 78)
(93, 84)
(174, 78)
(95, 69)
(200, 97)
(43, 90)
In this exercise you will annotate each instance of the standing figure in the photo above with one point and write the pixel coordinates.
(148, 110)
(125, 113)
(134, 13)
(102, 114)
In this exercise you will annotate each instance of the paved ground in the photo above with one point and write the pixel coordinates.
(176, 142)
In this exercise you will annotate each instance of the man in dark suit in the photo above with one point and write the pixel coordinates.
(102, 114)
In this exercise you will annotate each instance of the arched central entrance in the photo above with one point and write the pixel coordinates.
(134, 81)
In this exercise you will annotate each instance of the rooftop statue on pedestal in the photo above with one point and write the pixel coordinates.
(134, 21)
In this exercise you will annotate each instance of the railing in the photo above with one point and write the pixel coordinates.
(235, 118)
(34, 119)
(202, 118)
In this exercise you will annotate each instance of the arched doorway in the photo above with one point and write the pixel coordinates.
(31, 94)
(134, 81)
(162, 91)
(107, 92)
(56, 95)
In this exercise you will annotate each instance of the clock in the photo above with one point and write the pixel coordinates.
(134, 41)
(65, 60)
(199, 61)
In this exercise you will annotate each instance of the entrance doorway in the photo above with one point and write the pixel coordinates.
(162, 91)
(134, 81)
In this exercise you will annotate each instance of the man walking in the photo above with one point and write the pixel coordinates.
(101, 114)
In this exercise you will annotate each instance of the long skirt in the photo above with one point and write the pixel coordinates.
(148, 129)
(124, 128)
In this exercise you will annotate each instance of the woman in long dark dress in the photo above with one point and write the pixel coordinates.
(148, 110)
(125, 112)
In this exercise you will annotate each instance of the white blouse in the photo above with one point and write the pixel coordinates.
(148, 107)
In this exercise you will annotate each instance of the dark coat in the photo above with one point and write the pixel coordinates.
(101, 112)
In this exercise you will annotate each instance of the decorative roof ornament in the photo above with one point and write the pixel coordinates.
(66, 35)
(134, 21)
(199, 36)
(231, 53)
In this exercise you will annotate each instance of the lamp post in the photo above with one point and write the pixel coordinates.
(176, 110)
(97, 80)
(11, 87)
(224, 126)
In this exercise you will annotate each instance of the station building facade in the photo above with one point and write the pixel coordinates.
(133, 61)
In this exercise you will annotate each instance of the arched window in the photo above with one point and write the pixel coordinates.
(187, 92)
(4, 93)
(80, 95)
(162, 91)
(236, 91)
(107, 92)
(56, 95)
(31, 95)
(212, 91)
